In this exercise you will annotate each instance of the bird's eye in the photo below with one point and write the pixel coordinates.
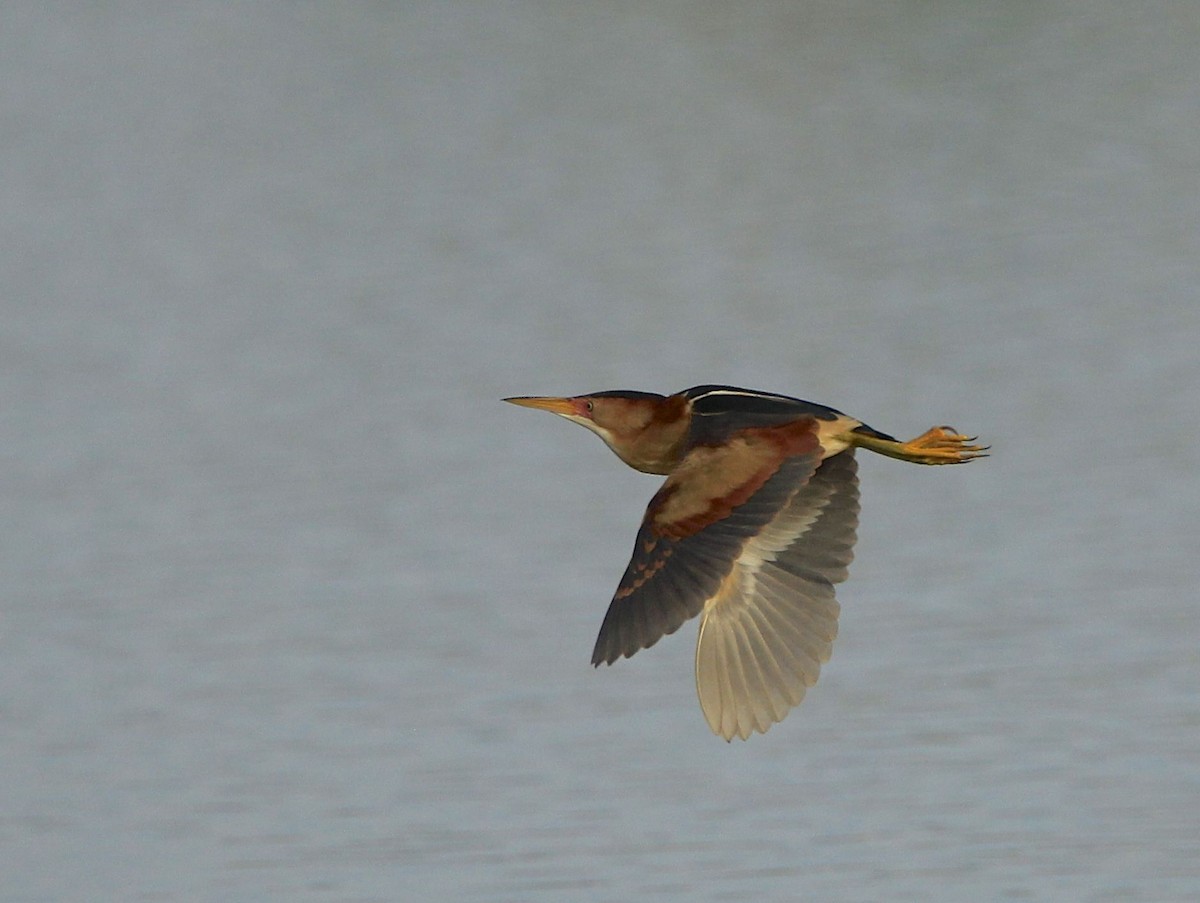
(591, 406)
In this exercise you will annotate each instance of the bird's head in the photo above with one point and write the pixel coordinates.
(628, 422)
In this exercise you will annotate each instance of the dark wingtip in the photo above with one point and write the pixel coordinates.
(598, 657)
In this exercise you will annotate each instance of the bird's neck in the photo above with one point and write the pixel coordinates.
(658, 446)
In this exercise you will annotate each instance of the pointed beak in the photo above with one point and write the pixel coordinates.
(564, 406)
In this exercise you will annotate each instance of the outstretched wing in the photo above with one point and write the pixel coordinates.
(697, 527)
(771, 623)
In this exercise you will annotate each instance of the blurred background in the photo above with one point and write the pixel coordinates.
(294, 609)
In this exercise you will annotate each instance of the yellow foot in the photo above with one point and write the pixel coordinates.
(938, 445)
(941, 445)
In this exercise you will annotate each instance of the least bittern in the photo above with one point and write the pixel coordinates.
(752, 528)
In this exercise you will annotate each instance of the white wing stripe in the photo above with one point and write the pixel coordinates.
(741, 393)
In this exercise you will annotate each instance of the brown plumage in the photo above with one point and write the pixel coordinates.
(752, 529)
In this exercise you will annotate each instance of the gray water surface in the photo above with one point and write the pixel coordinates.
(294, 609)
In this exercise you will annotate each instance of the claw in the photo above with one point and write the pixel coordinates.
(942, 445)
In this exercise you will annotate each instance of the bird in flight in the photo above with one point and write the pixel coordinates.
(751, 530)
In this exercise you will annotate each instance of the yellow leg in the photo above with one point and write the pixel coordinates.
(937, 445)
